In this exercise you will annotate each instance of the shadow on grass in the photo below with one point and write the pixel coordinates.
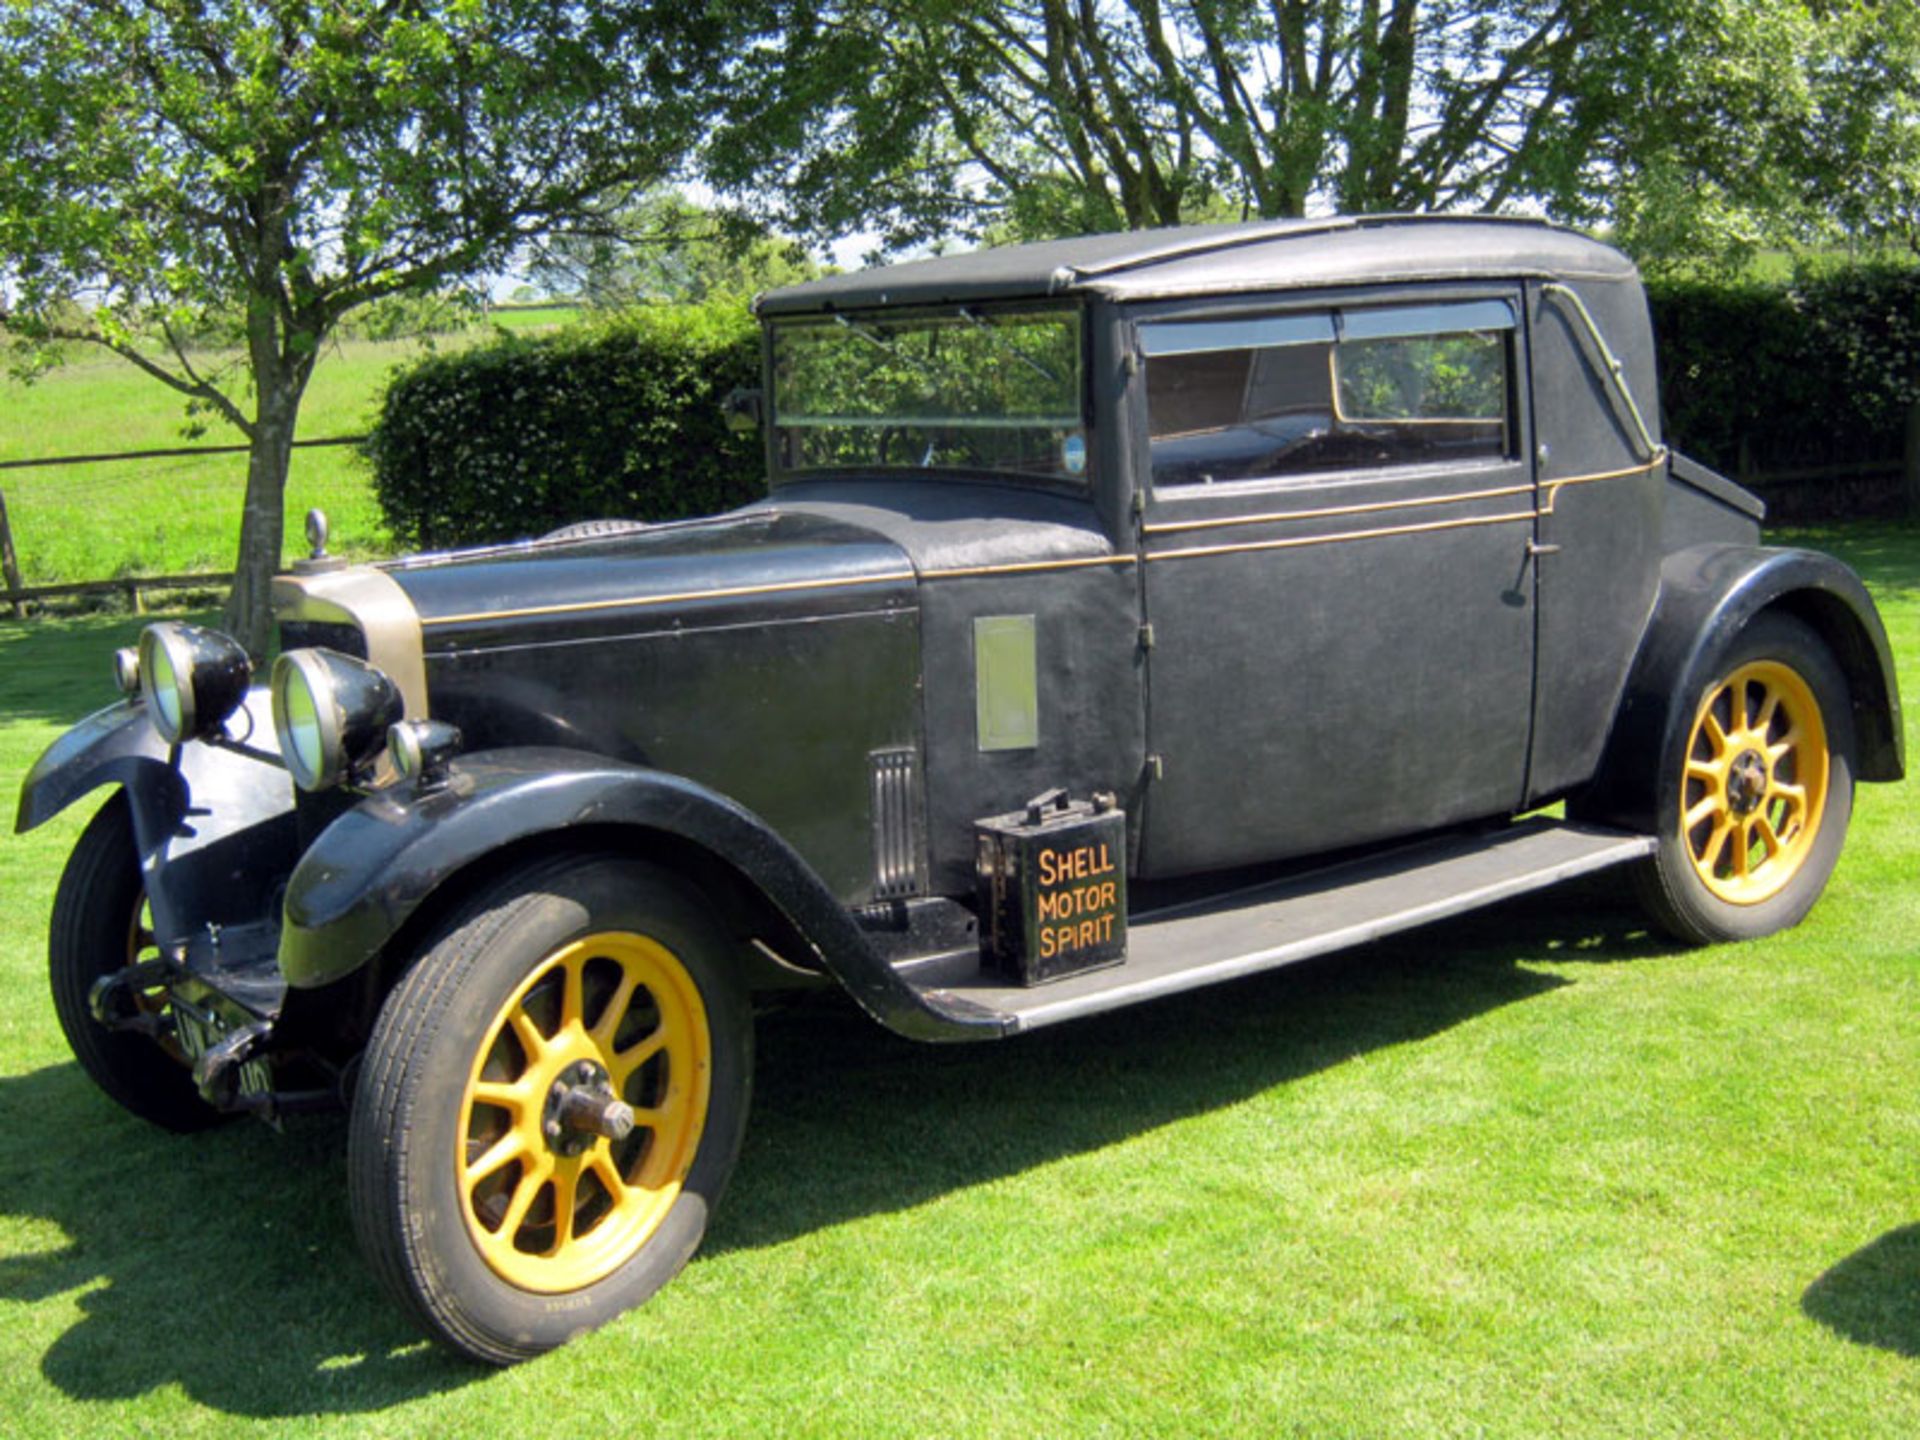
(61, 667)
(225, 1263)
(1873, 1296)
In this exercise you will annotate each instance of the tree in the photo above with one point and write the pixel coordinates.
(166, 162)
(662, 248)
(1036, 117)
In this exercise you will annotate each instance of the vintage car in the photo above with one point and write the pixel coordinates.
(1125, 614)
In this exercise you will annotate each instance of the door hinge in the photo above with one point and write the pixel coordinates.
(1534, 547)
(1156, 767)
(1146, 636)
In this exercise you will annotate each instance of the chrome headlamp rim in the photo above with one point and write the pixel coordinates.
(192, 679)
(166, 681)
(307, 669)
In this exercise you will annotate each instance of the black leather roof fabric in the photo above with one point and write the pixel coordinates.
(1222, 259)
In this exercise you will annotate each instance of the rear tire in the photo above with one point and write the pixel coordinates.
(99, 927)
(1754, 800)
(589, 981)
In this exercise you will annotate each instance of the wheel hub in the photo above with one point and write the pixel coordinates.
(1747, 781)
(581, 1108)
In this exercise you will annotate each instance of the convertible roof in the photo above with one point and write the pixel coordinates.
(1223, 259)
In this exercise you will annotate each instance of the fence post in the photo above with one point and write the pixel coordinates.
(1911, 466)
(9, 563)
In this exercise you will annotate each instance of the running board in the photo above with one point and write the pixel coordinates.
(1240, 933)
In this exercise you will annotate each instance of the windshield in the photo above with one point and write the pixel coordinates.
(967, 388)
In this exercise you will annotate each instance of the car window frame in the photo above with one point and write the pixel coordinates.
(1256, 306)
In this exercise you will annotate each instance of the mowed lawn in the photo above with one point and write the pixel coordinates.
(1529, 1173)
(182, 515)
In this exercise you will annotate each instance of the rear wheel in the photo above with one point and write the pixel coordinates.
(550, 1106)
(1754, 805)
(100, 925)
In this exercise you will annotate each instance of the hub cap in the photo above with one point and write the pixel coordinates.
(1756, 782)
(583, 1112)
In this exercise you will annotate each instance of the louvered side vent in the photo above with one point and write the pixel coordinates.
(899, 848)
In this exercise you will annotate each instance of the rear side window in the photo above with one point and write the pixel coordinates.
(1268, 396)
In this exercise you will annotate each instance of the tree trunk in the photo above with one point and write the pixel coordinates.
(249, 615)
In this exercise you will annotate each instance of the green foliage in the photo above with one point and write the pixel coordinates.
(1683, 123)
(660, 248)
(618, 419)
(1818, 371)
(285, 163)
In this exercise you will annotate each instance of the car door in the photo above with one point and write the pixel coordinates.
(1335, 535)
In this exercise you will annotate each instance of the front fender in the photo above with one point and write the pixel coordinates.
(214, 824)
(1707, 595)
(375, 866)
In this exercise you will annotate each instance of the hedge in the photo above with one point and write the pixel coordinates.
(616, 419)
(1816, 372)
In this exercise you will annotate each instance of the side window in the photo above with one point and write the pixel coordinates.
(1351, 389)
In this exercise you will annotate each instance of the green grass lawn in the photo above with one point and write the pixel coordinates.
(1529, 1173)
(180, 516)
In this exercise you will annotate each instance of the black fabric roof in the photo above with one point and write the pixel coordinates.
(1219, 259)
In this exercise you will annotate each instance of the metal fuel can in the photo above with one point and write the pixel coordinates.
(1052, 887)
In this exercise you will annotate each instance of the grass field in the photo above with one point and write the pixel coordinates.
(1529, 1173)
(92, 522)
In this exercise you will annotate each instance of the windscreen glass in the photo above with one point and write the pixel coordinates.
(970, 388)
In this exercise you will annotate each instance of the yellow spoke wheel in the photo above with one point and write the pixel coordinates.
(550, 1103)
(1755, 786)
(609, 1021)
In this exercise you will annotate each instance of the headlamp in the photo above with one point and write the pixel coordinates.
(331, 713)
(192, 678)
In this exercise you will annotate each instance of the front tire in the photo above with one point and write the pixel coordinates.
(1754, 803)
(491, 1189)
(99, 926)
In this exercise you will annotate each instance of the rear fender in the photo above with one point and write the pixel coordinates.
(214, 825)
(378, 865)
(1708, 594)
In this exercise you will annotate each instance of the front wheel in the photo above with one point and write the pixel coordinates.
(99, 926)
(550, 1106)
(1754, 805)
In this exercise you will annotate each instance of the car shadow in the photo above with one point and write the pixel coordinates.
(1873, 1296)
(225, 1263)
(50, 673)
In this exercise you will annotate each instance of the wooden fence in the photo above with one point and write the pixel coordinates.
(18, 594)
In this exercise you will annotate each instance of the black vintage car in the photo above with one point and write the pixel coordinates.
(1126, 614)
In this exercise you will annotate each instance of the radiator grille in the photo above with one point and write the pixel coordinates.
(899, 848)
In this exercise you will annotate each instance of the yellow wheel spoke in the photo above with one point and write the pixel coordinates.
(622, 1065)
(616, 1011)
(1710, 805)
(512, 1097)
(1708, 771)
(1764, 720)
(527, 1033)
(1742, 850)
(508, 1147)
(1710, 727)
(571, 1004)
(601, 1164)
(1769, 835)
(532, 1181)
(566, 1192)
(1781, 748)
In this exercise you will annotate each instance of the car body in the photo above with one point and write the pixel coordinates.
(1126, 614)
